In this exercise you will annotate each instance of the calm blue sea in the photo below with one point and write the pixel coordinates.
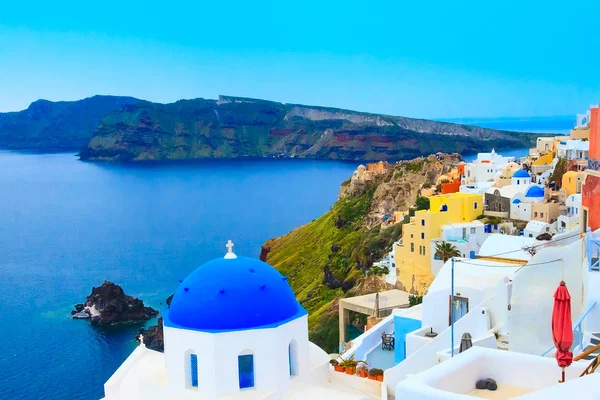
(66, 226)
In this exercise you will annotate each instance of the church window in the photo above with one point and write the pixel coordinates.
(246, 371)
(412, 247)
(194, 370)
(293, 358)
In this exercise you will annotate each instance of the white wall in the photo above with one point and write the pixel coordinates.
(533, 288)
(436, 305)
(521, 211)
(455, 378)
(417, 339)
(476, 322)
(488, 340)
(218, 358)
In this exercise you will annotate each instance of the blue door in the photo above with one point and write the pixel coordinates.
(459, 308)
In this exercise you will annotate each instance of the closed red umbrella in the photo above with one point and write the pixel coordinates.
(562, 327)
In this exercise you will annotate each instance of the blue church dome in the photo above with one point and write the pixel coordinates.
(521, 173)
(535, 191)
(231, 295)
(516, 201)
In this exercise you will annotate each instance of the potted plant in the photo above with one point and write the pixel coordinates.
(336, 366)
(372, 376)
(376, 374)
(350, 364)
(362, 370)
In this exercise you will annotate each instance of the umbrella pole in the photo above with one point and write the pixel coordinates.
(563, 376)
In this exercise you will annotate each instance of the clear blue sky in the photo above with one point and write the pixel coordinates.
(432, 59)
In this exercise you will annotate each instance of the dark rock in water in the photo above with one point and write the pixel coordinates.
(481, 384)
(153, 336)
(78, 308)
(114, 306)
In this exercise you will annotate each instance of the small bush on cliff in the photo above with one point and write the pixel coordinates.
(422, 203)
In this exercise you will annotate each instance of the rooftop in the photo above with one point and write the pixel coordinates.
(365, 304)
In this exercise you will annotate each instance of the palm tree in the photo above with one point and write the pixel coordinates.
(445, 251)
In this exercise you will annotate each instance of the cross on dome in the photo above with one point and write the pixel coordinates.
(230, 254)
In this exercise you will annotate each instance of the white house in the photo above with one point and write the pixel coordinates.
(535, 228)
(583, 120)
(484, 168)
(573, 149)
(389, 262)
(234, 330)
(475, 187)
(507, 201)
(570, 215)
(466, 237)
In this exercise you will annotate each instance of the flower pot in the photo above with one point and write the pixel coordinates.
(350, 371)
(363, 374)
(380, 378)
(372, 377)
(339, 368)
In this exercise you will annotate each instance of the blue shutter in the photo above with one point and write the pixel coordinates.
(246, 371)
(194, 369)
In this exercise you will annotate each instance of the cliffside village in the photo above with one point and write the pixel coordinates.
(548, 192)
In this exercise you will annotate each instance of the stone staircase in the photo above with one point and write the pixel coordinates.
(595, 340)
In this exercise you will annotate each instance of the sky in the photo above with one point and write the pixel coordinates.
(426, 59)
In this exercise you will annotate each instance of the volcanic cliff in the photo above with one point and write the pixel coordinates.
(235, 127)
(349, 238)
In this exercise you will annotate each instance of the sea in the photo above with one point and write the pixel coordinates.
(67, 226)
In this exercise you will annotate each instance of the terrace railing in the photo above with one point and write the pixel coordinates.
(577, 329)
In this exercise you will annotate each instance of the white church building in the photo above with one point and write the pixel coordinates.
(234, 330)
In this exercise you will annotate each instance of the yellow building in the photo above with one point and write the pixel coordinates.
(413, 260)
(569, 182)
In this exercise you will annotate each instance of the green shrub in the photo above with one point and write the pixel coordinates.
(422, 203)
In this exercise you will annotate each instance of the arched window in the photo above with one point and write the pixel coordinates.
(293, 357)
(246, 370)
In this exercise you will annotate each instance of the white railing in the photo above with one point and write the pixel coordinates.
(369, 340)
(577, 330)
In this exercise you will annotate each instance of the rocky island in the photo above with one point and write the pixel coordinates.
(233, 127)
(153, 336)
(109, 305)
(113, 128)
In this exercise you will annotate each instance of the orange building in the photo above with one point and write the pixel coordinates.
(452, 187)
(594, 153)
(461, 169)
(590, 201)
(377, 168)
